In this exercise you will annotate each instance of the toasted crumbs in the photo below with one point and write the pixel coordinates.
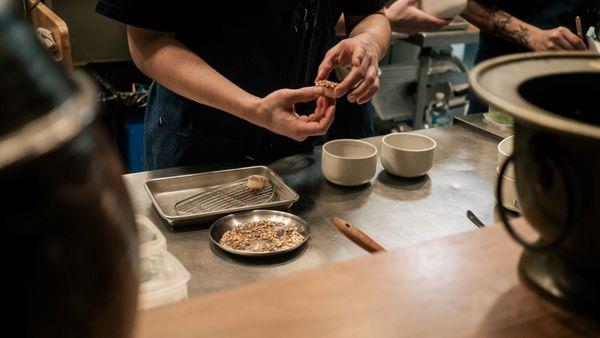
(262, 236)
(326, 84)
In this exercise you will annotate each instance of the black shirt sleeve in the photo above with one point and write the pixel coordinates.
(149, 14)
(360, 7)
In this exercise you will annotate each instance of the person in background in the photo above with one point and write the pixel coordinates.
(219, 70)
(514, 26)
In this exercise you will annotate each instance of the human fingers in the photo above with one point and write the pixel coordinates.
(306, 94)
(355, 76)
(358, 55)
(573, 39)
(324, 103)
(327, 120)
(319, 105)
(365, 86)
(558, 41)
(330, 61)
(368, 96)
(315, 128)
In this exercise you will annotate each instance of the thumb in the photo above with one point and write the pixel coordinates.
(305, 94)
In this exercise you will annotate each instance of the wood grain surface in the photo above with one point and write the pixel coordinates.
(459, 286)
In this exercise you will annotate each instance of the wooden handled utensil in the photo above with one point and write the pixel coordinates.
(356, 235)
(578, 26)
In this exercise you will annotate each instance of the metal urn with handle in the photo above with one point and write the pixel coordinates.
(553, 98)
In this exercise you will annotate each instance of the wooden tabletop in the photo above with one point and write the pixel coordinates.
(458, 286)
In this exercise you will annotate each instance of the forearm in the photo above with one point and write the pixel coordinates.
(166, 60)
(374, 28)
(498, 22)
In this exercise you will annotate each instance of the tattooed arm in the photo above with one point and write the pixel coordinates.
(500, 23)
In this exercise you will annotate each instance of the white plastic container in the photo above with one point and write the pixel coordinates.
(445, 9)
(163, 279)
(149, 237)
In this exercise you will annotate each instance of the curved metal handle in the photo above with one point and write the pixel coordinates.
(539, 245)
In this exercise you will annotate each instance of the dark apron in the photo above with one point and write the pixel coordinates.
(180, 132)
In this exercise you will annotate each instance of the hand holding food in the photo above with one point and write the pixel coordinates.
(276, 112)
(560, 38)
(363, 80)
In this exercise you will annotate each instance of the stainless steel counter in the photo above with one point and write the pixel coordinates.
(395, 212)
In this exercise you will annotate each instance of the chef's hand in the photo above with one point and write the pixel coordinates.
(560, 38)
(405, 17)
(363, 80)
(276, 112)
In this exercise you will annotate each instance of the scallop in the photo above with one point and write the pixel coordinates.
(256, 182)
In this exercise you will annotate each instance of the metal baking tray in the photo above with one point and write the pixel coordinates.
(165, 192)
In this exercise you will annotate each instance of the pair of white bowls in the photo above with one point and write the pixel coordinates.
(354, 162)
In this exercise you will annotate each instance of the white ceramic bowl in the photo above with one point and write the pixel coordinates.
(510, 199)
(407, 154)
(505, 149)
(445, 9)
(349, 162)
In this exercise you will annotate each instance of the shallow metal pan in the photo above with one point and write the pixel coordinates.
(165, 192)
(231, 221)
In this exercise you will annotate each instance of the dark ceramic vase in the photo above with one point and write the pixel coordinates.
(69, 233)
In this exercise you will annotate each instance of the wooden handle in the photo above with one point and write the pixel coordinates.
(356, 235)
(579, 28)
(43, 17)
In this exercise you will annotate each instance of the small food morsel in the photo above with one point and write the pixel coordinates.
(256, 182)
(262, 236)
(328, 87)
